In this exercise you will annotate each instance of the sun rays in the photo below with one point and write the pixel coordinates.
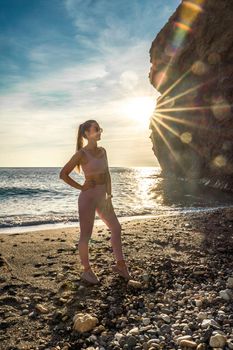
(188, 12)
(183, 116)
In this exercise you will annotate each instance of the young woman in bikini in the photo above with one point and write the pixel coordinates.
(95, 195)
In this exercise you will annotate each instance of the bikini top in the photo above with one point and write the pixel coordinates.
(94, 165)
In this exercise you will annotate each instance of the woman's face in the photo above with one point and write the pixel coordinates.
(94, 132)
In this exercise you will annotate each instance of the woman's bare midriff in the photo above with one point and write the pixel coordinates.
(97, 178)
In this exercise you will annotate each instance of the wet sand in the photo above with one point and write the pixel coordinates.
(176, 259)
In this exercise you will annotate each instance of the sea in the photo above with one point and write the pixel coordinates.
(34, 198)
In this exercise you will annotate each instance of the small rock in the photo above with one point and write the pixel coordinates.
(146, 321)
(165, 317)
(145, 277)
(201, 346)
(84, 322)
(133, 331)
(217, 341)
(198, 302)
(134, 284)
(25, 312)
(151, 306)
(202, 315)
(230, 343)
(131, 341)
(226, 294)
(188, 344)
(184, 337)
(118, 336)
(210, 322)
(230, 282)
(41, 308)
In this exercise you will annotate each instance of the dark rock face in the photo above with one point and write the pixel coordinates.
(192, 68)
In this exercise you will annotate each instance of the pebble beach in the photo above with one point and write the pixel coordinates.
(180, 295)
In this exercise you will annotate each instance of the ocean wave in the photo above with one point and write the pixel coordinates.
(23, 191)
(19, 221)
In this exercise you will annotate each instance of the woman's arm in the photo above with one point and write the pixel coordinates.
(108, 181)
(68, 167)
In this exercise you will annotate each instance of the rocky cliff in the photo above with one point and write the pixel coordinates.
(192, 68)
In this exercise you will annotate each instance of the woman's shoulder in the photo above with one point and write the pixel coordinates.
(81, 151)
(103, 149)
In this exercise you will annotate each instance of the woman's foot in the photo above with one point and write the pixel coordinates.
(89, 276)
(121, 269)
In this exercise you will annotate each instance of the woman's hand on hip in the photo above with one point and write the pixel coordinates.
(88, 184)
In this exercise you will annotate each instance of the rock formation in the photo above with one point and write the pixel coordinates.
(192, 68)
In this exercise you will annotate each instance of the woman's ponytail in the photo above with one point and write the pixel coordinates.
(79, 143)
(81, 135)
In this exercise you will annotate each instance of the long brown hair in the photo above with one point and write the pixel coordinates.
(81, 135)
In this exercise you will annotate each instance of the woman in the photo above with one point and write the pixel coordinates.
(95, 196)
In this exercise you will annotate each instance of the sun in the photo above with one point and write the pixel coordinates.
(139, 109)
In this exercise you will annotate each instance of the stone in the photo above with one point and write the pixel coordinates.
(151, 305)
(188, 344)
(133, 331)
(202, 315)
(226, 294)
(42, 309)
(131, 341)
(198, 302)
(146, 321)
(201, 346)
(165, 317)
(229, 283)
(84, 322)
(217, 341)
(134, 284)
(230, 343)
(184, 337)
(210, 322)
(145, 277)
(118, 336)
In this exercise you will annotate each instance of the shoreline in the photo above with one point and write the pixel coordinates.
(99, 222)
(181, 264)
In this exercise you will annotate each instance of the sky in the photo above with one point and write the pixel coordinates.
(65, 61)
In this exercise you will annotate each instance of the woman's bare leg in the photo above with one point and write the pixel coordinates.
(111, 220)
(86, 207)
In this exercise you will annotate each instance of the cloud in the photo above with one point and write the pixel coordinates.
(87, 75)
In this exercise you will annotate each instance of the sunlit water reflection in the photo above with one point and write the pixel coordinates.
(36, 196)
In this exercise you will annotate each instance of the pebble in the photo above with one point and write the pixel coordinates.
(165, 317)
(133, 331)
(229, 283)
(185, 337)
(84, 322)
(198, 302)
(146, 321)
(42, 309)
(226, 294)
(201, 346)
(131, 341)
(210, 322)
(188, 344)
(230, 343)
(134, 284)
(217, 341)
(202, 315)
(145, 277)
(178, 310)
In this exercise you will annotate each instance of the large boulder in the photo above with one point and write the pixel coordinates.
(192, 68)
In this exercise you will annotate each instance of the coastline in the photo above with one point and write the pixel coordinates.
(99, 222)
(38, 267)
